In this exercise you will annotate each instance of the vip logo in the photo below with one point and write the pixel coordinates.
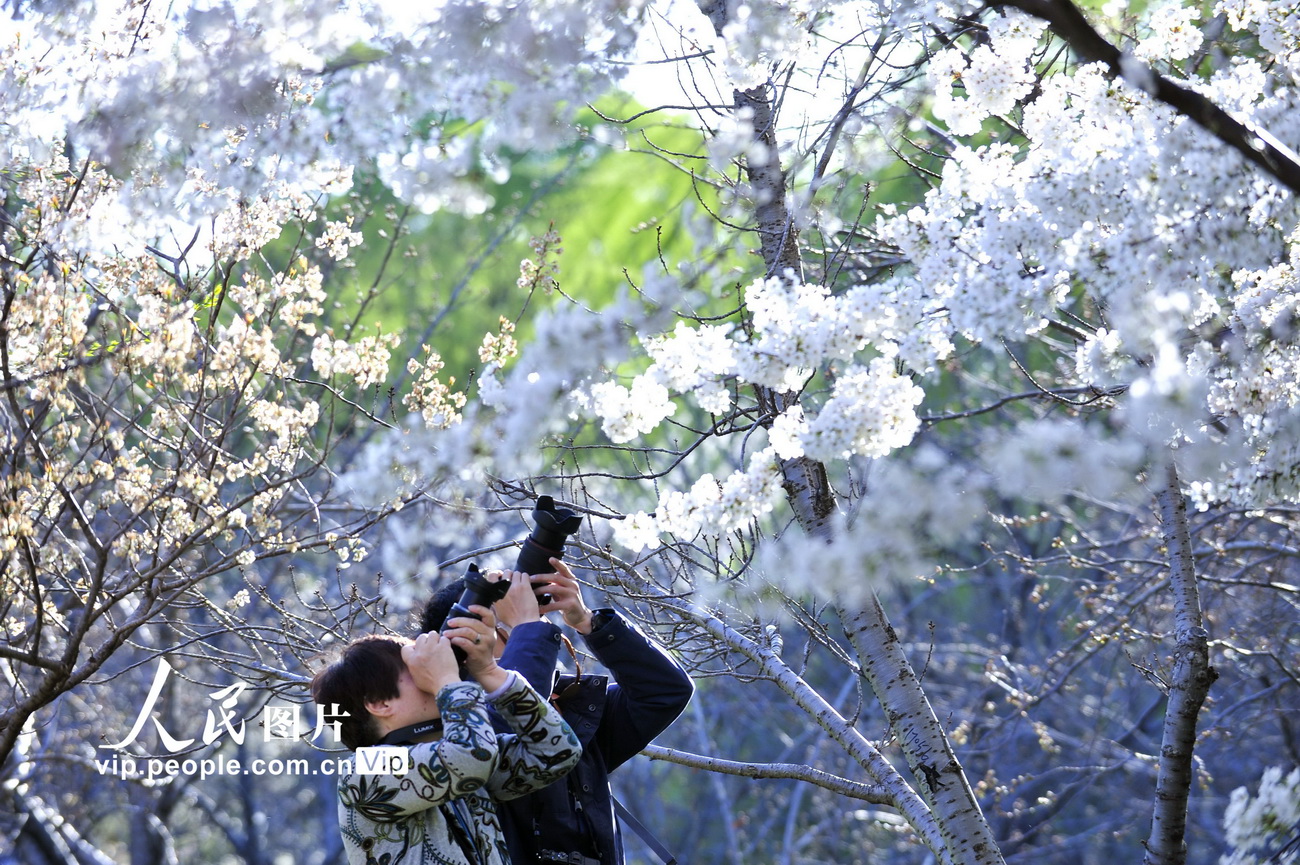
(383, 760)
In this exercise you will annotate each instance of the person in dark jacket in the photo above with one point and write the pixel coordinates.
(572, 820)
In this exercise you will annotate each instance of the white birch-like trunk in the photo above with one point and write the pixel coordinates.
(967, 837)
(892, 787)
(1189, 684)
(901, 795)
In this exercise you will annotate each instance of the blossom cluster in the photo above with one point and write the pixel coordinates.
(435, 400)
(1113, 196)
(871, 412)
(1253, 378)
(1259, 827)
(795, 328)
(995, 76)
(711, 507)
(498, 348)
(543, 269)
(1276, 23)
(269, 93)
(1173, 36)
(337, 239)
(628, 412)
(757, 36)
(690, 359)
(176, 408)
(518, 404)
(364, 361)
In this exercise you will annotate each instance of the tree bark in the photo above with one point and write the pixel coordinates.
(967, 836)
(1188, 686)
(953, 810)
(778, 239)
(891, 786)
(910, 805)
(804, 480)
(806, 484)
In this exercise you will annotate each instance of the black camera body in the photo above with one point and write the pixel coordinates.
(551, 529)
(478, 590)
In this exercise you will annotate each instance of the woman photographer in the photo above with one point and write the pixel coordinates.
(409, 693)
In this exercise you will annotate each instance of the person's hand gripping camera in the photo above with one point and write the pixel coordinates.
(519, 597)
(530, 597)
(471, 626)
(467, 642)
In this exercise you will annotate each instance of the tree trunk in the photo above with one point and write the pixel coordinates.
(806, 485)
(1188, 686)
(967, 837)
(805, 481)
(911, 806)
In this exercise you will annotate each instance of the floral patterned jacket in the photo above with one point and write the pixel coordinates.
(441, 811)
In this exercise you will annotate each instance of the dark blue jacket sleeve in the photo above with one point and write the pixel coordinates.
(531, 651)
(650, 689)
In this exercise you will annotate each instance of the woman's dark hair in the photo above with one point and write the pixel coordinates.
(438, 607)
(366, 672)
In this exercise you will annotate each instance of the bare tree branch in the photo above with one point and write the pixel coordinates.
(873, 793)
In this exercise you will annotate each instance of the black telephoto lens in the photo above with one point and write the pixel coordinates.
(551, 529)
(478, 590)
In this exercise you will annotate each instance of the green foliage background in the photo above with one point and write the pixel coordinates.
(445, 278)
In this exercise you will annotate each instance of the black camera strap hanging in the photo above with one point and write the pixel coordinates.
(645, 834)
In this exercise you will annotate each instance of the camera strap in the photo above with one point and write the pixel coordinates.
(646, 835)
(403, 735)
